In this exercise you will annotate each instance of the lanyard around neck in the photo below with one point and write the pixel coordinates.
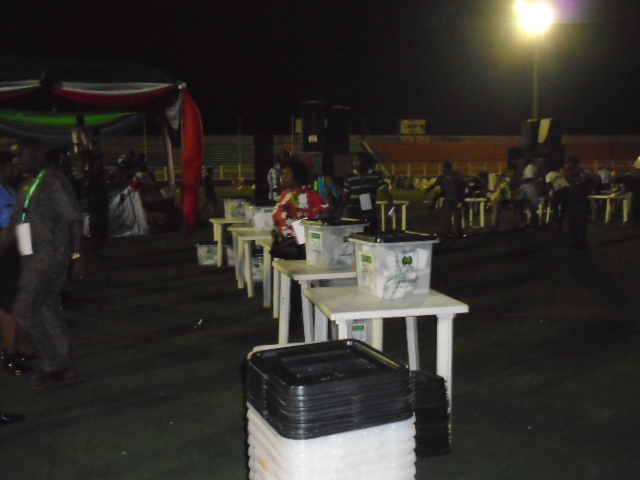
(27, 202)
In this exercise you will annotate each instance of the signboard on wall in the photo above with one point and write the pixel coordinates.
(413, 127)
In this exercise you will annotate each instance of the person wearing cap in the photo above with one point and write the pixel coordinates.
(577, 202)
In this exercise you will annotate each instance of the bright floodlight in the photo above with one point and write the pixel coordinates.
(535, 17)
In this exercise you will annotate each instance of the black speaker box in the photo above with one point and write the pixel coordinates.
(313, 127)
(513, 155)
(530, 129)
(341, 165)
(339, 129)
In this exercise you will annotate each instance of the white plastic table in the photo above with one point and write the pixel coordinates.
(626, 205)
(345, 304)
(403, 205)
(471, 202)
(218, 232)
(304, 274)
(237, 252)
(244, 240)
(265, 243)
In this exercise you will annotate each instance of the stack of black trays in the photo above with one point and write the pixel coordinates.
(432, 414)
(319, 389)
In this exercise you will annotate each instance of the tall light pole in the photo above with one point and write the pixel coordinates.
(535, 17)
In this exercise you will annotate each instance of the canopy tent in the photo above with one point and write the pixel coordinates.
(52, 129)
(42, 98)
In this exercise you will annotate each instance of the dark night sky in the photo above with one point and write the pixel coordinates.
(464, 65)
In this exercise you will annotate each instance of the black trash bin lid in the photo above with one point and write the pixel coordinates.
(344, 222)
(394, 236)
(319, 389)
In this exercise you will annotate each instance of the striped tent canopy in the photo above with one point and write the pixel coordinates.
(42, 97)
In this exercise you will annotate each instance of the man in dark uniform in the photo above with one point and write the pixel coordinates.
(577, 202)
(453, 187)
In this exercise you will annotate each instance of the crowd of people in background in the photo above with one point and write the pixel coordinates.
(563, 191)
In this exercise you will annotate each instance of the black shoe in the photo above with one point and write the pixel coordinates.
(7, 418)
(11, 364)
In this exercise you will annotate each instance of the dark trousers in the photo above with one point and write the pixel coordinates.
(453, 216)
(578, 208)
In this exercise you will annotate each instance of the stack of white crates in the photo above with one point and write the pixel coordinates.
(376, 453)
(334, 410)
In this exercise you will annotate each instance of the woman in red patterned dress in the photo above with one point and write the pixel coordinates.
(297, 201)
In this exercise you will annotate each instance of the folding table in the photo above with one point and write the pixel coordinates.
(218, 232)
(403, 208)
(237, 252)
(266, 243)
(304, 274)
(343, 305)
(626, 204)
(244, 239)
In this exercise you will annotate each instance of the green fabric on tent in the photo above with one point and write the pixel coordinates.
(59, 119)
(54, 129)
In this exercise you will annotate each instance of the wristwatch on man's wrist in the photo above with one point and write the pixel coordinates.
(75, 256)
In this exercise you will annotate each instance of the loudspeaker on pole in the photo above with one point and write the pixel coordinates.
(530, 129)
(313, 127)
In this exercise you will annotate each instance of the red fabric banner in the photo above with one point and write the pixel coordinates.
(16, 93)
(103, 98)
(192, 160)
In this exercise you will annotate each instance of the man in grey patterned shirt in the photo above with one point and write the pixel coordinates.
(47, 203)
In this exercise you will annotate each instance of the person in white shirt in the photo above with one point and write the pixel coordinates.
(557, 190)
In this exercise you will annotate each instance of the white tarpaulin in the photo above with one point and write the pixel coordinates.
(127, 216)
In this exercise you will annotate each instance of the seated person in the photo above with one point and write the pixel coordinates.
(297, 201)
